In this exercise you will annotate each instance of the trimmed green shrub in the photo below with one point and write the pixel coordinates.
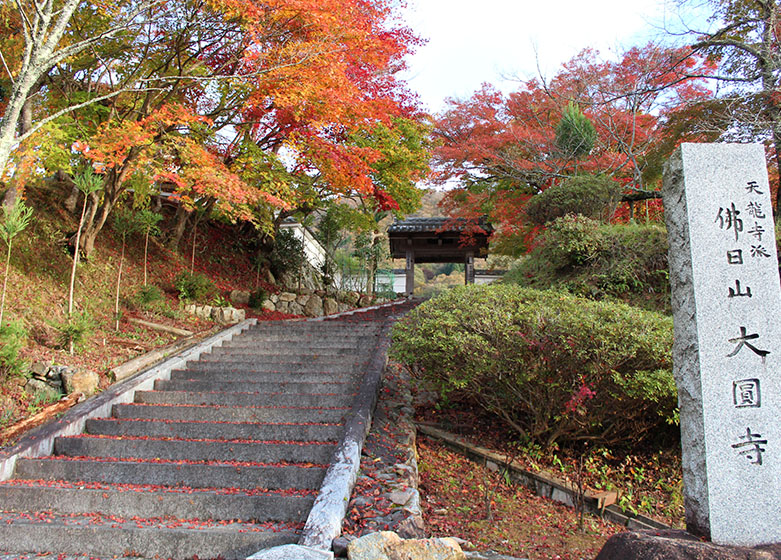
(593, 196)
(194, 287)
(13, 336)
(553, 366)
(598, 261)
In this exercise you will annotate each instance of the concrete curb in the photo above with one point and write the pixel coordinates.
(324, 523)
(40, 441)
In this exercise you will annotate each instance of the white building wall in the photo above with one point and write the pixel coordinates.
(314, 251)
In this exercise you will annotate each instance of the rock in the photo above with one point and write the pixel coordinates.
(239, 297)
(411, 528)
(330, 307)
(365, 301)
(343, 307)
(273, 298)
(80, 381)
(389, 546)
(303, 299)
(283, 307)
(400, 497)
(268, 305)
(287, 297)
(40, 369)
(204, 312)
(340, 544)
(295, 309)
(673, 544)
(314, 307)
(41, 390)
(352, 298)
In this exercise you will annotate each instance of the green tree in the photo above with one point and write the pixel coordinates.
(88, 183)
(575, 134)
(404, 150)
(745, 45)
(124, 224)
(15, 220)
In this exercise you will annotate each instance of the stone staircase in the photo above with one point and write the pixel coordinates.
(222, 460)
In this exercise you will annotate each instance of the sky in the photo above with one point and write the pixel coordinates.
(502, 41)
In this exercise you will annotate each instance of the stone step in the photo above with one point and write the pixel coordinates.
(234, 474)
(334, 328)
(127, 500)
(237, 375)
(245, 399)
(256, 414)
(292, 360)
(214, 430)
(267, 366)
(267, 350)
(194, 449)
(354, 334)
(108, 536)
(277, 386)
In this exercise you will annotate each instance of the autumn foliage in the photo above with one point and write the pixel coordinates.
(503, 149)
(239, 109)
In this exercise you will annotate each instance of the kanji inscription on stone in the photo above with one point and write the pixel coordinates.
(727, 352)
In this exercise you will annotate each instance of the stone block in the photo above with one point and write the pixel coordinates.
(80, 381)
(287, 297)
(389, 546)
(303, 299)
(268, 305)
(365, 301)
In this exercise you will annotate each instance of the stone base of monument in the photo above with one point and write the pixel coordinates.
(673, 544)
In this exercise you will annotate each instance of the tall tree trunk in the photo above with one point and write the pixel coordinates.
(100, 208)
(180, 224)
(25, 124)
(119, 283)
